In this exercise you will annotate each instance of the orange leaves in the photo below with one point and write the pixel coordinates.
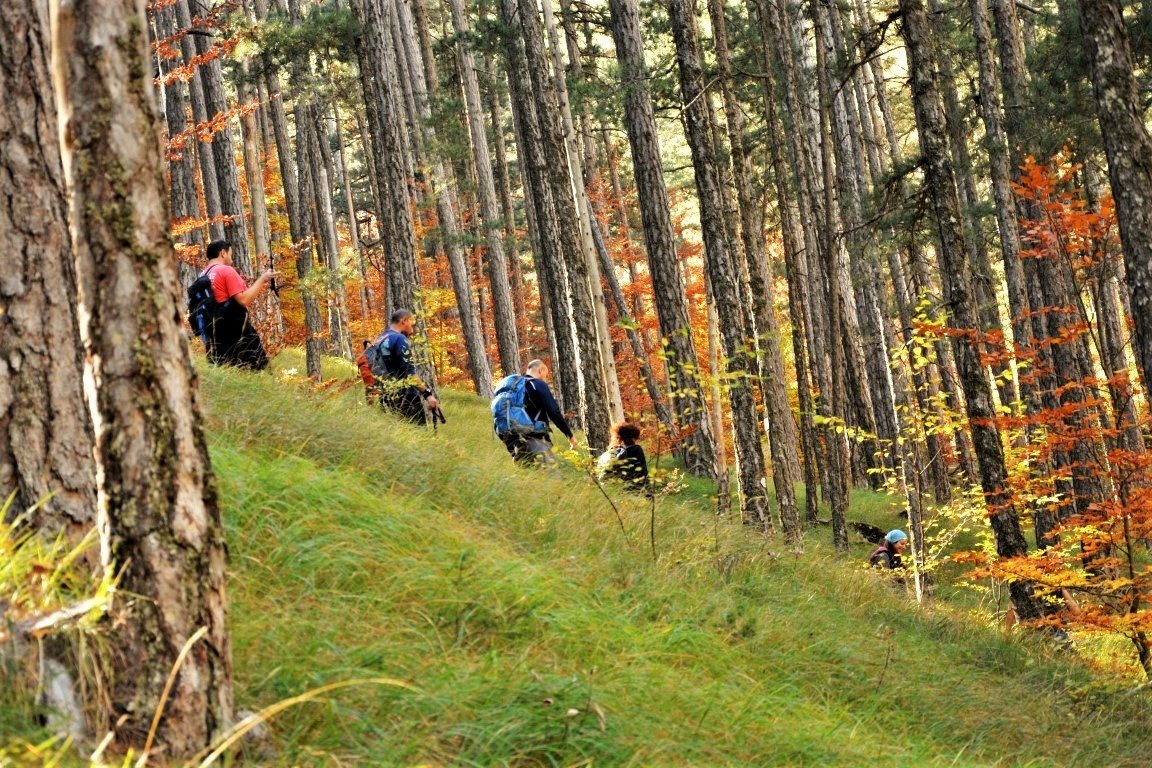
(206, 130)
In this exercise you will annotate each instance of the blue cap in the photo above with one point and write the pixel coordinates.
(895, 536)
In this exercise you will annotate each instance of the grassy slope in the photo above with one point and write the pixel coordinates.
(361, 547)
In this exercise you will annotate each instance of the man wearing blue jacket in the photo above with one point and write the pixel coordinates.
(541, 407)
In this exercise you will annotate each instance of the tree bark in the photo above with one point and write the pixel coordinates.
(156, 502)
(956, 276)
(551, 270)
(1128, 146)
(378, 72)
(46, 440)
(211, 76)
(504, 314)
(688, 404)
(421, 73)
(781, 430)
(597, 409)
(718, 261)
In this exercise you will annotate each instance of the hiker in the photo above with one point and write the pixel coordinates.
(229, 335)
(625, 460)
(390, 360)
(522, 408)
(371, 385)
(887, 555)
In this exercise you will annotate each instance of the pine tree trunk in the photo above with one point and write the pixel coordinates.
(797, 281)
(157, 509)
(584, 215)
(504, 184)
(956, 275)
(200, 116)
(46, 437)
(422, 73)
(597, 410)
(307, 161)
(390, 153)
(688, 404)
(781, 430)
(551, 270)
(719, 262)
(1129, 149)
(211, 76)
(184, 201)
(504, 314)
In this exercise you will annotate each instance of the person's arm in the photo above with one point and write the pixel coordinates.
(247, 296)
(550, 407)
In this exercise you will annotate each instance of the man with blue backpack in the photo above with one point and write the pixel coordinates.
(389, 358)
(521, 410)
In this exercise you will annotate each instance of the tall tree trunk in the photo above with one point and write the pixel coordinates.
(45, 444)
(200, 116)
(956, 276)
(211, 76)
(504, 315)
(422, 73)
(504, 184)
(566, 207)
(718, 260)
(688, 404)
(584, 215)
(832, 259)
(781, 430)
(308, 160)
(182, 186)
(390, 152)
(542, 219)
(1129, 149)
(156, 502)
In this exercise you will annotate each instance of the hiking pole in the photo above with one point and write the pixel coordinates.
(438, 414)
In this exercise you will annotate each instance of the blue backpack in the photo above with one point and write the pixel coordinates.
(509, 417)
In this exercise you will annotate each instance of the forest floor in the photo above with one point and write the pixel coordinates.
(528, 629)
(499, 616)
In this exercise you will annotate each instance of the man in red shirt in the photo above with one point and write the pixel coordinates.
(233, 340)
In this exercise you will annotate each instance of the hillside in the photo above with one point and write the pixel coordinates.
(532, 632)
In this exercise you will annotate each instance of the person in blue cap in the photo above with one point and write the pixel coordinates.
(887, 555)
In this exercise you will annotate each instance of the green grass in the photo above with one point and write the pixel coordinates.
(507, 598)
(532, 632)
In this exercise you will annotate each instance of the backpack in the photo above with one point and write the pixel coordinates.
(881, 556)
(203, 309)
(378, 354)
(509, 417)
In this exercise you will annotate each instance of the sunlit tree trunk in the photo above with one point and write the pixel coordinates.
(688, 404)
(211, 76)
(1129, 148)
(719, 262)
(504, 314)
(46, 437)
(156, 504)
(422, 73)
(781, 429)
(956, 276)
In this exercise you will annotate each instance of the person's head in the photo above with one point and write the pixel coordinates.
(219, 249)
(403, 320)
(626, 433)
(537, 369)
(897, 540)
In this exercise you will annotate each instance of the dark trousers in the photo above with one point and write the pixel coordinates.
(405, 402)
(530, 450)
(232, 340)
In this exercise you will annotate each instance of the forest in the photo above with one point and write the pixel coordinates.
(851, 265)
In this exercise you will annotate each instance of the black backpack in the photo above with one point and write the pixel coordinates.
(203, 309)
